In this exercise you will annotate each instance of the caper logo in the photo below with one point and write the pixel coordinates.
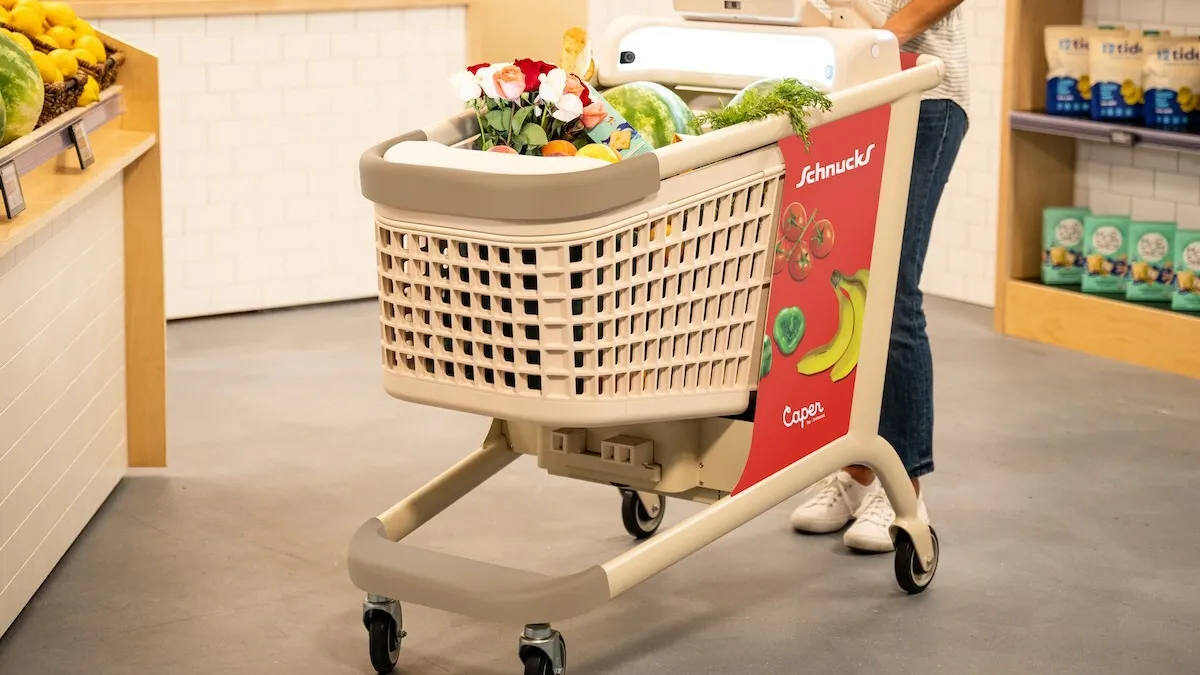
(813, 412)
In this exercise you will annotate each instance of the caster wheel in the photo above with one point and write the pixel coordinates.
(384, 642)
(638, 523)
(538, 664)
(909, 574)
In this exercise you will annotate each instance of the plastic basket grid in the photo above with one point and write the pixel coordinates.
(665, 305)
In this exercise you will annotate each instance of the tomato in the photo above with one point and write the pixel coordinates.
(791, 224)
(781, 260)
(800, 262)
(822, 238)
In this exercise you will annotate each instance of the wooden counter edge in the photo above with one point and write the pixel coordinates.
(145, 310)
(128, 9)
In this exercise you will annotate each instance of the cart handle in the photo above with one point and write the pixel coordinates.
(741, 138)
(572, 195)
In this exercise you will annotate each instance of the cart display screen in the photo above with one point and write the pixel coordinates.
(747, 54)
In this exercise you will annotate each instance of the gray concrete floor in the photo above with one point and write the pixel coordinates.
(1066, 500)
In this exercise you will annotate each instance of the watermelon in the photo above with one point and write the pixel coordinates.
(763, 86)
(655, 111)
(21, 89)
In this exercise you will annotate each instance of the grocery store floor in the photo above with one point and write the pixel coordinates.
(1066, 499)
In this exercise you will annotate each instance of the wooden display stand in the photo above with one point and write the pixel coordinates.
(1037, 170)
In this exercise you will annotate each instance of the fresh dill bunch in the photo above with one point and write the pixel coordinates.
(789, 97)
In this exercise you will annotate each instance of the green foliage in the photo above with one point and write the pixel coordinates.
(790, 97)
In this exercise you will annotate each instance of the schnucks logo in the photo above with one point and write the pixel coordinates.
(815, 173)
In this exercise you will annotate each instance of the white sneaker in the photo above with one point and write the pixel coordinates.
(869, 533)
(833, 505)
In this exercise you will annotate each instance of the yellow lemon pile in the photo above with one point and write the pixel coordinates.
(72, 41)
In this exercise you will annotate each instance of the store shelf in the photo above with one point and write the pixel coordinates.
(1145, 335)
(51, 191)
(1103, 132)
(53, 138)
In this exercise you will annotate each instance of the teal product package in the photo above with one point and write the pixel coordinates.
(615, 132)
(1151, 273)
(1106, 254)
(1186, 297)
(1062, 245)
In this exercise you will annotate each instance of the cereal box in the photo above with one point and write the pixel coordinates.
(1062, 245)
(1105, 252)
(1151, 262)
(1186, 297)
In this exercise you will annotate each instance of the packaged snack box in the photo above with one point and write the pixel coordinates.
(1068, 86)
(615, 132)
(1062, 245)
(1172, 81)
(1151, 273)
(1105, 251)
(1115, 67)
(1186, 297)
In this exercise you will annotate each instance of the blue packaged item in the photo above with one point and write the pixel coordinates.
(1115, 65)
(1172, 80)
(1068, 85)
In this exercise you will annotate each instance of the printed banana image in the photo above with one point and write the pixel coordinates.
(856, 289)
(841, 353)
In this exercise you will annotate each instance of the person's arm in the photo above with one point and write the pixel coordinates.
(917, 16)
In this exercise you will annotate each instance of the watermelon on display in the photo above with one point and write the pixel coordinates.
(762, 86)
(21, 90)
(656, 112)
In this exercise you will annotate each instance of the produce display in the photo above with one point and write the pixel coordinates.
(50, 61)
(539, 109)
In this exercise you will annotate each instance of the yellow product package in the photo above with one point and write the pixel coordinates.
(1068, 85)
(1172, 81)
(1115, 65)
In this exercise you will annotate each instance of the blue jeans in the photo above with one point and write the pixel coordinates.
(907, 415)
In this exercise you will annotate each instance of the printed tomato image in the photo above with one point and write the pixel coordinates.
(781, 260)
(800, 262)
(793, 222)
(822, 238)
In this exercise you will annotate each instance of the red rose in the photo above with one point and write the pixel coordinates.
(474, 70)
(532, 70)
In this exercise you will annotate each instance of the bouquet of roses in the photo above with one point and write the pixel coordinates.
(528, 107)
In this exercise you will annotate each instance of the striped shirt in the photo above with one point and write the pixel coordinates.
(947, 40)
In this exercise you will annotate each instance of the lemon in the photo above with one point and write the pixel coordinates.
(599, 151)
(91, 93)
(45, 65)
(59, 13)
(49, 41)
(7, 4)
(93, 45)
(4, 15)
(63, 36)
(65, 62)
(20, 39)
(26, 20)
(35, 5)
(83, 56)
(81, 27)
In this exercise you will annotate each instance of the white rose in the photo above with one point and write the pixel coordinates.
(487, 79)
(570, 107)
(553, 84)
(466, 87)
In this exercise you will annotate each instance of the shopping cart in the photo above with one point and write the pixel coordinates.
(611, 318)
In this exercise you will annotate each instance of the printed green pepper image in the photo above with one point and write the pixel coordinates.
(767, 353)
(789, 330)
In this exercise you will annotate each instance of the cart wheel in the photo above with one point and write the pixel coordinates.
(384, 642)
(909, 574)
(537, 663)
(638, 523)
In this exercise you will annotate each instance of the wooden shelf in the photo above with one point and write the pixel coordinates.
(54, 137)
(51, 190)
(1103, 132)
(1141, 334)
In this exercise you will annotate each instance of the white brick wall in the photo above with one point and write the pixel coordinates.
(1146, 184)
(263, 120)
(961, 263)
(62, 389)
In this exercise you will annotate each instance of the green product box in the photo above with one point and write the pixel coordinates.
(1151, 273)
(1106, 254)
(1186, 297)
(1062, 245)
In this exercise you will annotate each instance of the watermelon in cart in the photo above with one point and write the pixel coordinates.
(657, 113)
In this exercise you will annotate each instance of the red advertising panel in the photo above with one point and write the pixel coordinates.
(821, 277)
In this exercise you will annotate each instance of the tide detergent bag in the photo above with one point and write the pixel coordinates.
(1116, 63)
(1172, 82)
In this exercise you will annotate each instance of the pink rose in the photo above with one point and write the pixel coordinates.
(593, 115)
(510, 82)
(575, 86)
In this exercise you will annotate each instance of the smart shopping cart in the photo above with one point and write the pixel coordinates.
(615, 319)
